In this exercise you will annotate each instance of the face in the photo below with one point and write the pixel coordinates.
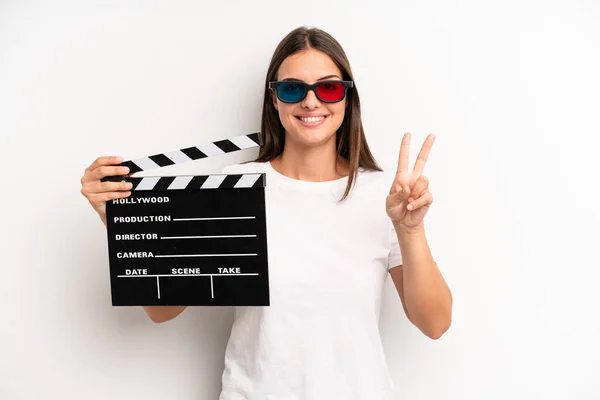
(310, 66)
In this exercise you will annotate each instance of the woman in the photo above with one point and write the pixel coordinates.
(330, 242)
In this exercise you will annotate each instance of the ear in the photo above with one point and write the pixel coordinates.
(274, 98)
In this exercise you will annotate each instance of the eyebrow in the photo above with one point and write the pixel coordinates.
(320, 79)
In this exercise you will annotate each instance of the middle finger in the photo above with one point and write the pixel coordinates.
(423, 154)
(101, 172)
(102, 187)
(420, 186)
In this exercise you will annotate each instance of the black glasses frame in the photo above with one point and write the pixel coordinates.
(275, 85)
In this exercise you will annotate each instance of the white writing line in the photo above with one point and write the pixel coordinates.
(212, 291)
(204, 237)
(176, 275)
(158, 276)
(211, 219)
(204, 255)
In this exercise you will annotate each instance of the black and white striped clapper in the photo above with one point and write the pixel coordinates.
(187, 239)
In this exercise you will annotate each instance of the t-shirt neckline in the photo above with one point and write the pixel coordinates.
(306, 185)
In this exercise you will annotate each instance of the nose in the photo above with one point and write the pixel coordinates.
(311, 101)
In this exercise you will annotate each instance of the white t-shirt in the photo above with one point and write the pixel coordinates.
(328, 262)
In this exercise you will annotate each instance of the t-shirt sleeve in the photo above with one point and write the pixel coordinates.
(395, 257)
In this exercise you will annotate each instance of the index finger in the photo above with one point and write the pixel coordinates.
(403, 157)
(108, 160)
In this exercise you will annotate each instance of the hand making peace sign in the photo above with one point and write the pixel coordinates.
(409, 197)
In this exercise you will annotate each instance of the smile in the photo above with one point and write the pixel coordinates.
(312, 121)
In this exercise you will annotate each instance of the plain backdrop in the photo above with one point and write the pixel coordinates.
(511, 89)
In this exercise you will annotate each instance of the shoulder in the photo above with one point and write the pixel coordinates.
(374, 179)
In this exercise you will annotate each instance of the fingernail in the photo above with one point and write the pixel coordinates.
(129, 185)
(410, 207)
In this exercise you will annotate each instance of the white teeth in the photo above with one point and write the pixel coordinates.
(311, 119)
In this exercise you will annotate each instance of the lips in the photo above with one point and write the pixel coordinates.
(312, 118)
(312, 121)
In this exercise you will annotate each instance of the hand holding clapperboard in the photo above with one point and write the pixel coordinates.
(189, 240)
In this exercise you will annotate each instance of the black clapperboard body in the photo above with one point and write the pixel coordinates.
(195, 240)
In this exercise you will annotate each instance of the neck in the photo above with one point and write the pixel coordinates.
(311, 164)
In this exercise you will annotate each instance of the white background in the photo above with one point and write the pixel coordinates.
(511, 89)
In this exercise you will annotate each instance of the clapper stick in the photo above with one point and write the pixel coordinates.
(188, 154)
(189, 239)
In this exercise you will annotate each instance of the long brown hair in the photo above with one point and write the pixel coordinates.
(351, 143)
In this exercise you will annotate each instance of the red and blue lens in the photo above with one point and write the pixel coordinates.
(296, 91)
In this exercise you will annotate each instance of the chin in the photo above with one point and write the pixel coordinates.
(314, 136)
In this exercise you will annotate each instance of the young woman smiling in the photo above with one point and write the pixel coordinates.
(337, 227)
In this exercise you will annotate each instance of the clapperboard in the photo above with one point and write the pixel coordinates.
(196, 240)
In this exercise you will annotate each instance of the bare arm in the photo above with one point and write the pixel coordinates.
(160, 314)
(425, 296)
